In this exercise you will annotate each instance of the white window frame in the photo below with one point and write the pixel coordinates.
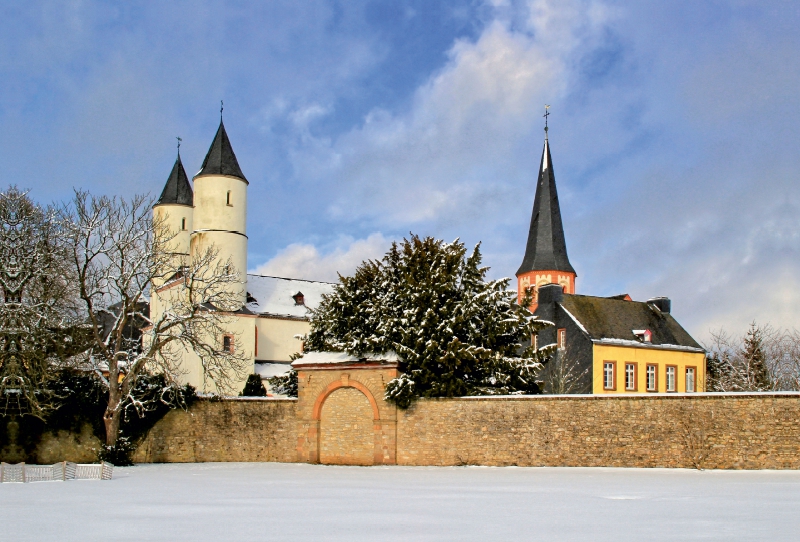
(671, 378)
(609, 378)
(651, 371)
(693, 379)
(630, 376)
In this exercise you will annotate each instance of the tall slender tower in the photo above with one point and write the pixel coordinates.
(220, 207)
(174, 212)
(545, 260)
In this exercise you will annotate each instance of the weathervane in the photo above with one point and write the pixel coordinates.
(179, 143)
(220, 108)
(546, 114)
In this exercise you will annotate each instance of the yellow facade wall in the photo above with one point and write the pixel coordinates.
(642, 357)
(276, 338)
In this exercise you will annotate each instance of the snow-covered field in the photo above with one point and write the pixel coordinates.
(272, 501)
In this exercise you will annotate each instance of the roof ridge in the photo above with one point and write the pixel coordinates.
(289, 278)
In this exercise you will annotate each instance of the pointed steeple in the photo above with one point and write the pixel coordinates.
(220, 159)
(547, 248)
(177, 191)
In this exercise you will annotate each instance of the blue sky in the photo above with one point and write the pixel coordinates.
(674, 130)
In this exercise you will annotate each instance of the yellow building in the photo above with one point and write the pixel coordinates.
(273, 311)
(605, 345)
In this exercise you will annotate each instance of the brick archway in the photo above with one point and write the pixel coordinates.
(333, 386)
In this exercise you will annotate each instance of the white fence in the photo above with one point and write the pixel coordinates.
(58, 471)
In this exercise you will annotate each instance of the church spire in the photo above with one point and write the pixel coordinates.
(545, 260)
(547, 248)
(220, 159)
(177, 191)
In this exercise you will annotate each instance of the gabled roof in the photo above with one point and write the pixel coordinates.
(546, 249)
(177, 191)
(274, 296)
(220, 159)
(608, 320)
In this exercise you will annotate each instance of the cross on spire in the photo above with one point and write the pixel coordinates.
(546, 114)
(221, 104)
(179, 143)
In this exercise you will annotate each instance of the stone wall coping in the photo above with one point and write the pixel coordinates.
(212, 398)
(611, 397)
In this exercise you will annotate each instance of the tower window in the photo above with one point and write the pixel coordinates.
(227, 343)
(228, 199)
(183, 224)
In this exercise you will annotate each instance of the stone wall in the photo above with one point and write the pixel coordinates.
(751, 431)
(228, 430)
(754, 431)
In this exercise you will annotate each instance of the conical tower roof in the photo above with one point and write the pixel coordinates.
(220, 159)
(547, 248)
(177, 191)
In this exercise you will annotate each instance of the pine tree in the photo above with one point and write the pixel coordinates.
(456, 333)
(254, 387)
(755, 359)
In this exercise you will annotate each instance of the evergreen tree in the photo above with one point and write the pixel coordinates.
(755, 359)
(456, 333)
(254, 387)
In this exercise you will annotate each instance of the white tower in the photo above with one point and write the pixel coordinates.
(220, 208)
(174, 213)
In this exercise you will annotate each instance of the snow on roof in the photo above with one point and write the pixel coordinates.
(274, 295)
(325, 358)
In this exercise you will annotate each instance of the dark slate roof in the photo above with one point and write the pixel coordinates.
(547, 248)
(220, 159)
(608, 318)
(177, 191)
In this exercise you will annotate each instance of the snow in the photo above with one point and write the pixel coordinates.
(273, 295)
(270, 369)
(325, 358)
(291, 502)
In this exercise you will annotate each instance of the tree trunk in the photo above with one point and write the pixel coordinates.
(111, 418)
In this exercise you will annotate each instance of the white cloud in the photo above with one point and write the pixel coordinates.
(305, 261)
(457, 145)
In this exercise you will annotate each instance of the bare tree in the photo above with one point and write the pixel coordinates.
(37, 304)
(116, 252)
(567, 374)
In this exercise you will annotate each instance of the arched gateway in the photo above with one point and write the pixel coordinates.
(342, 422)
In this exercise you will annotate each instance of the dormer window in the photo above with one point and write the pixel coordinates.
(299, 299)
(228, 199)
(644, 335)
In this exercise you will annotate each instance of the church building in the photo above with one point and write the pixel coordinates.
(274, 311)
(607, 344)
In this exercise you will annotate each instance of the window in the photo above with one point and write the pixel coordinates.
(183, 224)
(608, 375)
(228, 199)
(652, 383)
(690, 380)
(671, 370)
(562, 338)
(630, 377)
(535, 341)
(227, 343)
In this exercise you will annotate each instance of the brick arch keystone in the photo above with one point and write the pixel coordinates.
(333, 386)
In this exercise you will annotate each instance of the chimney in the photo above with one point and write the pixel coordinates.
(551, 293)
(661, 303)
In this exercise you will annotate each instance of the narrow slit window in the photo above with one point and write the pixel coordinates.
(228, 198)
(562, 338)
(183, 224)
(227, 344)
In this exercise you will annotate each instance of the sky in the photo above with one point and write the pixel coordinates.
(673, 130)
